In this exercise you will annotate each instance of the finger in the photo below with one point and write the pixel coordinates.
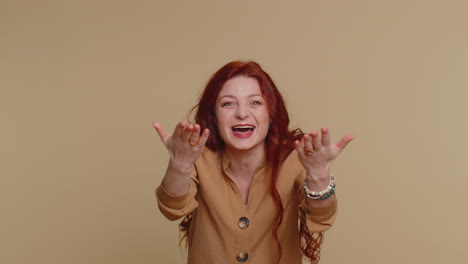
(179, 130)
(187, 132)
(316, 140)
(161, 131)
(195, 135)
(344, 141)
(325, 136)
(204, 137)
(308, 143)
(299, 147)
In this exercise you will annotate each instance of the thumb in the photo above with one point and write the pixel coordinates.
(161, 131)
(344, 141)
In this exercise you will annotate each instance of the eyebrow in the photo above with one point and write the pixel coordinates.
(232, 96)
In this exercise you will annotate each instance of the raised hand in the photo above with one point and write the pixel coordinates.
(316, 154)
(185, 145)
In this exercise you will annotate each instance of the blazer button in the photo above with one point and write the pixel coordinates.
(244, 222)
(242, 257)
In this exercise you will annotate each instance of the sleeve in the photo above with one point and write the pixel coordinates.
(319, 215)
(175, 207)
(321, 218)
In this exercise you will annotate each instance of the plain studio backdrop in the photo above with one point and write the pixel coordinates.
(81, 82)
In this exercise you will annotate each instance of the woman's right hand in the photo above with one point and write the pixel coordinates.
(185, 145)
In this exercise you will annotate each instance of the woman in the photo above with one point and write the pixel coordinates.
(242, 180)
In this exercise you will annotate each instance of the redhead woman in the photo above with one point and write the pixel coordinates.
(248, 188)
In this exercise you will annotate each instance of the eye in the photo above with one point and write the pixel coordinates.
(256, 102)
(228, 103)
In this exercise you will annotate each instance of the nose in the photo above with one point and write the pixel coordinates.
(242, 112)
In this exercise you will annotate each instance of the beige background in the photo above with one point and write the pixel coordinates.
(81, 82)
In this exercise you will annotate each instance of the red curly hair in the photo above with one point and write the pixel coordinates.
(278, 142)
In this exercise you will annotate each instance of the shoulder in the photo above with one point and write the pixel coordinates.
(209, 155)
(208, 160)
(291, 176)
(292, 163)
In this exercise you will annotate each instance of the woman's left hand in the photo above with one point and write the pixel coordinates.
(316, 154)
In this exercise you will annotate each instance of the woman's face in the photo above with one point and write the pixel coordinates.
(241, 114)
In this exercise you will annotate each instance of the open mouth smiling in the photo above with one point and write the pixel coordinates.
(243, 128)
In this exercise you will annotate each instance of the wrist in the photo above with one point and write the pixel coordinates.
(318, 171)
(322, 194)
(320, 177)
(179, 167)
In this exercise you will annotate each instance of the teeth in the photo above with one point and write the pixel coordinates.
(252, 127)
